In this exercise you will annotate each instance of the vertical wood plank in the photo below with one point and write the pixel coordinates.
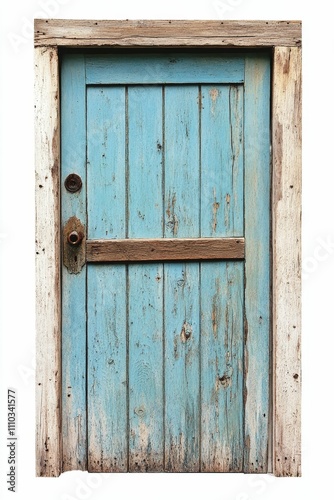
(257, 265)
(222, 161)
(48, 299)
(73, 154)
(182, 179)
(107, 376)
(145, 200)
(286, 214)
(222, 283)
(182, 368)
(106, 162)
(181, 325)
(222, 366)
(107, 343)
(145, 281)
(146, 433)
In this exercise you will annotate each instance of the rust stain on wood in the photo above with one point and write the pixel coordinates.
(214, 319)
(214, 93)
(224, 381)
(227, 210)
(215, 207)
(176, 344)
(173, 222)
(216, 308)
(186, 332)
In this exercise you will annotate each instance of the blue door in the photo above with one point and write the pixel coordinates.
(166, 293)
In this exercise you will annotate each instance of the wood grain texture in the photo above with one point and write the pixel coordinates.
(146, 366)
(73, 160)
(166, 33)
(48, 296)
(181, 280)
(145, 169)
(286, 208)
(222, 172)
(182, 367)
(107, 369)
(222, 350)
(172, 67)
(165, 249)
(222, 300)
(182, 161)
(145, 281)
(106, 162)
(257, 264)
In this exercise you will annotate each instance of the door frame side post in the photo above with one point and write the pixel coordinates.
(286, 267)
(48, 264)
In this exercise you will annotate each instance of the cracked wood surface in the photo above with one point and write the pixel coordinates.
(286, 207)
(166, 33)
(48, 303)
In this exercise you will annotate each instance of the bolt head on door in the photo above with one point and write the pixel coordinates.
(73, 183)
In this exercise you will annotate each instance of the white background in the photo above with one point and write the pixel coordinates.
(17, 253)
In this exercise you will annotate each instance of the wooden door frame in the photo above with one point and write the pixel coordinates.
(284, 38)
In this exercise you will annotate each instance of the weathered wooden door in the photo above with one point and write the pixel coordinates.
(165, 341)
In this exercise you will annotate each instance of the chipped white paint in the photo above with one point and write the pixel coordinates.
(286, 225)
(48, 374)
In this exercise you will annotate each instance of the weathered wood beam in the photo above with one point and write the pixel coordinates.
(165, 249)
(48, 289)
(168, 33)
(286, 228)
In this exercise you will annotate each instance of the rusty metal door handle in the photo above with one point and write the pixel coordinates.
(74, 245)
(75, 238)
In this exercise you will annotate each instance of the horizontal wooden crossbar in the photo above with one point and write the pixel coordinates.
(169, 33)
(165, 249)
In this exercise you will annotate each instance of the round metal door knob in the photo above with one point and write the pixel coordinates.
(74, 238)
(73, 183)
